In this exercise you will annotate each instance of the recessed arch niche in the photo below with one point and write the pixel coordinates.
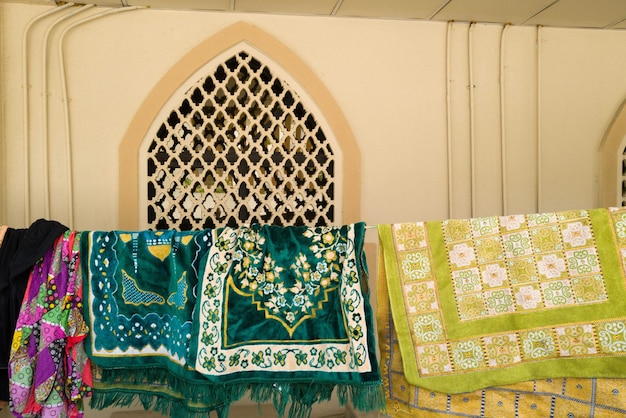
(612, 161)
(241, 40)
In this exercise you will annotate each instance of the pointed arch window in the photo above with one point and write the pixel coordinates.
(239, 131)
(241, 147)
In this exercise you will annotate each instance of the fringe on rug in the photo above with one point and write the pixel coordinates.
(160, 391)
(302, 397)
(174, 408)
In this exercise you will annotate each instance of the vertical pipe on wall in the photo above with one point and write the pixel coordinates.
(449, 116)
(44, 105)
(505, 209)
(65, 99)
(470, 53)
(26, 105)
(539, 136)
(70, 181)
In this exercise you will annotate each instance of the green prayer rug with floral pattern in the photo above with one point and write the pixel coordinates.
(504, 299)
(284, 312)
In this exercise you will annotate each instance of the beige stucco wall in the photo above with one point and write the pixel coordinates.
(388, 77)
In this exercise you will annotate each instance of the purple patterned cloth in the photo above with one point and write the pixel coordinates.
(48, 369)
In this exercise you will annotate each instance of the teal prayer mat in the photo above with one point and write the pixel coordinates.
(284, 312)
(140, 295)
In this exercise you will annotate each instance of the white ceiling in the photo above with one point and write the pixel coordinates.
(605, 14)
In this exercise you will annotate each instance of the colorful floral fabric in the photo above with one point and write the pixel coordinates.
(283, 312)
(48, 368)
(497, 300)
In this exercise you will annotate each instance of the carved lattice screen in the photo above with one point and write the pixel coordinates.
(240, 147)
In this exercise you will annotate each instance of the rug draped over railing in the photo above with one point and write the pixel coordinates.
(284, 313)
(475, 303)
(189, 322)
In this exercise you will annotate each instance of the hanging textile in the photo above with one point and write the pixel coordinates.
(20, 249)
(284, 312)
(547, 398)
(48, 368)
(140, 298)
(498, 300)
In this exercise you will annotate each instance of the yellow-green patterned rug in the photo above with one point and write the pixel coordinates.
(498, 300)
(546, 398)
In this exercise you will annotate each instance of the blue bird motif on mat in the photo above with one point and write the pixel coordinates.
(132, 294)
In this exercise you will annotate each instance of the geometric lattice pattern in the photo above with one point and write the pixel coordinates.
(522, 263)
(240, 148)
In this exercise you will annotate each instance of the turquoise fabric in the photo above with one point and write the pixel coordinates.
(140, 298)
(284, 311)
(189, 322)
